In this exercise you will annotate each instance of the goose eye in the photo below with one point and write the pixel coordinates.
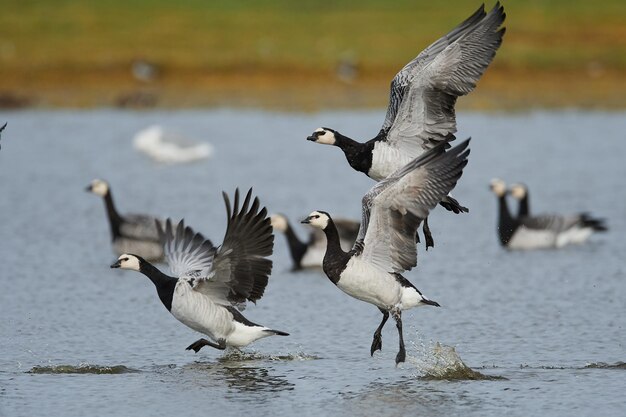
(321, 133)
(316, 216)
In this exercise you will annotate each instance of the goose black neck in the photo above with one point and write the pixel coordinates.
(164, 283)
(359, 155)
(506, 223)
(332, 237)
(335, 259)
(296, 247)
(524, 207)
(114, 218)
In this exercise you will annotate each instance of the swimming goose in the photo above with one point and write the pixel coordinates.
(422, 96)
(170, 147)
(310, 254)
(548, 230)
(130, 233)
(392, 211)
(209, 283)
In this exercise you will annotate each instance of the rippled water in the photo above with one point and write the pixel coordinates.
(519, 334)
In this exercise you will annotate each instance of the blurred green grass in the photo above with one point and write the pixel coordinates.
(47, 44)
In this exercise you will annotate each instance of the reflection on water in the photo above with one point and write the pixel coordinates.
(236, 377)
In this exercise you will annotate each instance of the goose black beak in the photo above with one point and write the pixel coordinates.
(116, 264)
(312, 138)
(306, 221)
(89, 188)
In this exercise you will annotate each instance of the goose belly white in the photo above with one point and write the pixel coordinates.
(575, 235)
(365, 282)
(526, 239)
(198, 312)
(386, 160)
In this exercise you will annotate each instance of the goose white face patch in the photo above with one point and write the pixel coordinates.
(99, 187)
(129, 262)
(325, 137)
(498, 187)
(279, 222)
(319, 220)
(518, 191)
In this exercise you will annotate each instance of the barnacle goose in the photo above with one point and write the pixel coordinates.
(540, 231)
(130, 233)
(209, 283)
(310, 254)
(422, 96)
(392, 211)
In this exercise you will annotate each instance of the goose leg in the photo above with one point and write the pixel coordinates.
(401, 356)
(200, 343)
(377, 343)
(428, 237)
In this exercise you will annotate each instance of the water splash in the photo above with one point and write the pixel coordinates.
(444, 363)
(81, 369)
(604, 365)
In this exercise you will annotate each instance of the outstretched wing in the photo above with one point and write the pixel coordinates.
(395, 207)
(430, 85)
(404, 77)
(188, 254)
(241, 269)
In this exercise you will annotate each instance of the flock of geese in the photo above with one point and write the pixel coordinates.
(414, 168)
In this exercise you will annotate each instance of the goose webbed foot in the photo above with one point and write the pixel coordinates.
(428, 237)
(200, 343)
(453, 205)
(377, 343)
(401, 356)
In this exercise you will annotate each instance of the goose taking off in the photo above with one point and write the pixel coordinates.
(421, 110)
(130, 233)
(540, 231)
(209, 283)
(392, 211)
(310, 254)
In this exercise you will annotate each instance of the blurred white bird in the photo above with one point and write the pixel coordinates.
(169, 147)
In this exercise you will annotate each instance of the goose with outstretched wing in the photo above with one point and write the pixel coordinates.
(422, 97)
(208, 284)
(392, 211)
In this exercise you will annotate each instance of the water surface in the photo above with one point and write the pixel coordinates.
(77, 338)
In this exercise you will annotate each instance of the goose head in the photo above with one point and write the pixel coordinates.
(128, 261)
(98, 187)
(318, 219)
(279, 222)
(498, 187)
(323, 135)
(518, 191)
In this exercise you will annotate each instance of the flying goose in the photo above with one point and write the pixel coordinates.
(541, 231)
(310, 254)
(392, 211)
(130, 233)
(422, 96)
(209, 283)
